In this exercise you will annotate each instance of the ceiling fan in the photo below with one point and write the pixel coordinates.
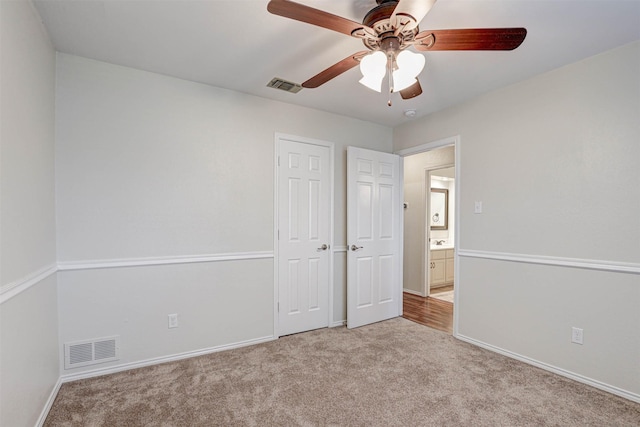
(387, 31)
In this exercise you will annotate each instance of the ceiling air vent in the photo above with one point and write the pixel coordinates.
(278, 83)
(91, 352)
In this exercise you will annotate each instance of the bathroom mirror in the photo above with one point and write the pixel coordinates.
(439, 217)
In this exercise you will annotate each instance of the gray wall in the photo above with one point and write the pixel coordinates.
(156, 169)
(28, 301)
(554, 160)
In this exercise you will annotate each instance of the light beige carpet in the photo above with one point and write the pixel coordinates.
(393, 373)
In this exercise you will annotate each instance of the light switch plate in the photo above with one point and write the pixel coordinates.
(477, 207)
(173, 321)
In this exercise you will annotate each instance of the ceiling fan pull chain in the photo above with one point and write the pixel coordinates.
(389, 72)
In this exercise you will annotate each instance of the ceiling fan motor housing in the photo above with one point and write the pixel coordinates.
(378, 18)
(390, 44)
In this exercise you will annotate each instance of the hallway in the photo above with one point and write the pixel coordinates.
(428, 311)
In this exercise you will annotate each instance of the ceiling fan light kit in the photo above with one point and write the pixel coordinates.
(404, 66)
(410, 65)
(388, 30)
(373, 68)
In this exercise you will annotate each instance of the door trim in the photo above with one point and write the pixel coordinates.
(456, 142)
(276, 256)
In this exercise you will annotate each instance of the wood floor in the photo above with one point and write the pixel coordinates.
(427, 311)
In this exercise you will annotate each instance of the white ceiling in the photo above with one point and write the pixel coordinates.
(240, 46)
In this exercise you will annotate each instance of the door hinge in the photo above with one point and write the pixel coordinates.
(278, 160)
(278, 307)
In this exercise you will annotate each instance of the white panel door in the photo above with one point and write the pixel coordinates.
(304, 235)
(374, 262)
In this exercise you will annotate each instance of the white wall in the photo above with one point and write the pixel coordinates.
(28, 301)
(414, 216)
(555, 161)
(153, 167)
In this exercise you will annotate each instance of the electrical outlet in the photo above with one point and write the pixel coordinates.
(173, 321)
(576, 335)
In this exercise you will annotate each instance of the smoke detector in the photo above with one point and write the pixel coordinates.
(410, 113)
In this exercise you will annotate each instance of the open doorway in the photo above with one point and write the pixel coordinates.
(440, 242)
(430, 225)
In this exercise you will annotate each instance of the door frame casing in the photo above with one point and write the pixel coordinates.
(445, 142)
(276, 199)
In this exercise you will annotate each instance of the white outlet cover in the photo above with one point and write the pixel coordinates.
(577, 335)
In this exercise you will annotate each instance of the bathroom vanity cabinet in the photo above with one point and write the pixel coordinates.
(441, 267)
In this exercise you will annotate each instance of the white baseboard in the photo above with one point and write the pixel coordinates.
(49, 403)
(412, 292)
(338, 323)
(562, 372)
(155, 361)
(158, 360)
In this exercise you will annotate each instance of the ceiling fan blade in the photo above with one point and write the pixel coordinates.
(418, 9)
(471, 39)
(412, 91)
(323, 19)
(335, 70)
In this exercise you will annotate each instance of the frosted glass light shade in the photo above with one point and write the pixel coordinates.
(402, 80)
(410, 65)
(373, 68)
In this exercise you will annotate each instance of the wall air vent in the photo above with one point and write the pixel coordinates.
(91, 352)
(281, 84)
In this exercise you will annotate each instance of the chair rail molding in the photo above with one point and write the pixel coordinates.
(150, 261)
(14, 288)
(590, 264)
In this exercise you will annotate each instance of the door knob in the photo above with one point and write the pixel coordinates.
(324, 247)
(355, 248)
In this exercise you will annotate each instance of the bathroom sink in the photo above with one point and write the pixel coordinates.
(442, 246)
